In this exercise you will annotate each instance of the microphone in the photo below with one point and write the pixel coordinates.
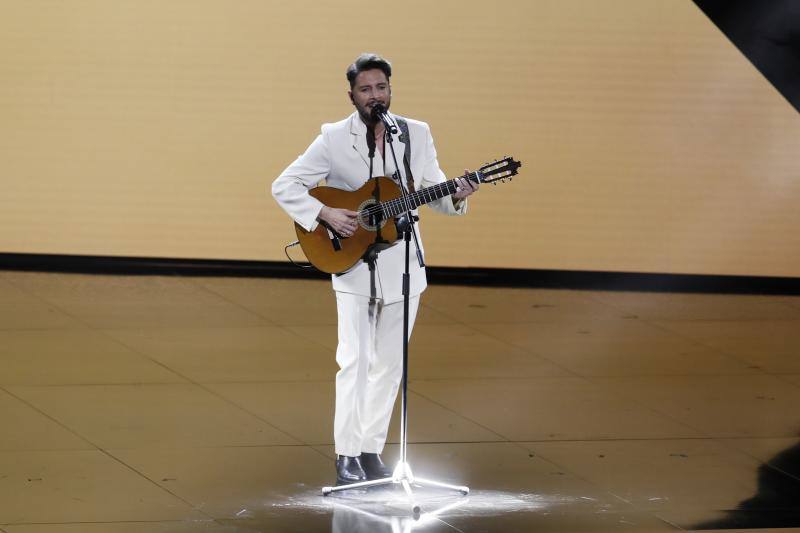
(379, 113)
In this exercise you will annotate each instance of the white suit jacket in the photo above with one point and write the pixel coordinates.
(339, 155)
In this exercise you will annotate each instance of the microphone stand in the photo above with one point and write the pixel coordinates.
(402, 472)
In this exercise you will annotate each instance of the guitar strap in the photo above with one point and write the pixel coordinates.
(405, 138)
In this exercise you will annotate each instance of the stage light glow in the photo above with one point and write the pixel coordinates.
(404, 524)
(391, 502)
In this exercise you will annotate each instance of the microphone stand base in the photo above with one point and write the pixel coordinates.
(402, 476)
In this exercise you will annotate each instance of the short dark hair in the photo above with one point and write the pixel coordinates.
(368, 61)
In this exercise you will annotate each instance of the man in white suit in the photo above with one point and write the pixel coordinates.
(369, 307)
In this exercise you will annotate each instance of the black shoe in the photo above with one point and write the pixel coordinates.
(374, 467)
(348, 470)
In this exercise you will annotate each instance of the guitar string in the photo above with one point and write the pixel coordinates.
(433, 190)
(414, 199)
(440, 190)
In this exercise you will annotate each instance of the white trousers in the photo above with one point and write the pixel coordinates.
(370, 358)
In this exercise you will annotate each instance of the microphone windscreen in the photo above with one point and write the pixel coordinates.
(377, 110)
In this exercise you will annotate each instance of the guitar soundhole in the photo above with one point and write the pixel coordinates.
(370, 215)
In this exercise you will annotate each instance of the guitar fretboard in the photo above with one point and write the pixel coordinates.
(394, 207)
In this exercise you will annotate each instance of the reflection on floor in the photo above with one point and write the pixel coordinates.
(168, 404)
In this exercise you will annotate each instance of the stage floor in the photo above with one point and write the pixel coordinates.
(146, 404)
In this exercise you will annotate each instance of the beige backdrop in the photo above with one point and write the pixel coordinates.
(154, 128)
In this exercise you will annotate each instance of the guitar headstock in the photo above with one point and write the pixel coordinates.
(498, 170)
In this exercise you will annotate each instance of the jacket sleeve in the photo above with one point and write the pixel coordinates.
(432, 175)
(290, 189)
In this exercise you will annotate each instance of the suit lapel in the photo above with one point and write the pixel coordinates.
(358, 135)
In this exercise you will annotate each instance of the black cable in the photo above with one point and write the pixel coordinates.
(286, 251)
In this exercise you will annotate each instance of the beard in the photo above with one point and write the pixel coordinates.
(365, 112)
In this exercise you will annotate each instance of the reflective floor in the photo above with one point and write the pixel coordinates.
(169, 404)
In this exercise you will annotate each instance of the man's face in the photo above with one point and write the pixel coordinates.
(370, 88)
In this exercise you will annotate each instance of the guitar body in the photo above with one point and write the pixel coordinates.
(320, 245)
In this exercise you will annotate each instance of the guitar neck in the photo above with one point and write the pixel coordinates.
(427, 195)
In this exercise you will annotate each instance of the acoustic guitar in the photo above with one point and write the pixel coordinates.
(378, 203)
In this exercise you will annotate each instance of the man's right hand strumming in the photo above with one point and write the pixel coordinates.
(342, 221)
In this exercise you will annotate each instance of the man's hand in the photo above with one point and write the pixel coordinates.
(464, 187)
(342, 221)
